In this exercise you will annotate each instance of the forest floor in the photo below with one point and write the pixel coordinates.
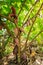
(10, 61)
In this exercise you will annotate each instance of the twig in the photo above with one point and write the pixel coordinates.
(21, 6)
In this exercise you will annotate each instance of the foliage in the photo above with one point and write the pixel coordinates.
(30, 23)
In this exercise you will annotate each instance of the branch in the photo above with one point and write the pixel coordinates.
(7, 17)
(19, 47)
(9, 32)
(32, 26)
(31, 9)
(37, 12)
(5, 43)
(35, 37)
